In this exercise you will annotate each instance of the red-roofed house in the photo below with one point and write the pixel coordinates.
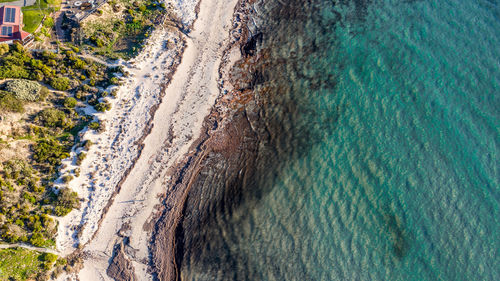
(11, 25)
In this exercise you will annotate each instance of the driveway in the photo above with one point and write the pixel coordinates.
(20, 3)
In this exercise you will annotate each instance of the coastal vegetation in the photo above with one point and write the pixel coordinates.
(41, 96)
(29, 264)
(120, 28)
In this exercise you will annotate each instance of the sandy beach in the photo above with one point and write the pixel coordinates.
(154, 120)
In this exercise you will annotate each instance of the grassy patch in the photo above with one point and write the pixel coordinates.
(19, 264)
(32, 19)
(33, 15)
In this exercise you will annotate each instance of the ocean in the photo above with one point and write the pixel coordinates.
(381, 160)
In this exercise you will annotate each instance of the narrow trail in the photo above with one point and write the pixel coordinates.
(29, 247)
(59, 16)
(98, 60)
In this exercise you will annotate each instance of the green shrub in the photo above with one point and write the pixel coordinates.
(48, 22)
(8, 70)
(24, 89)
(4, 48)
(103, 106)
(60, 83)
(19, 222)
(49, 151)
(54, 118)
(17, 168)
(47, 71)
(70, 102)
(87, 144)
(52, 62)
(44, 93)
(80, 158)
(49, 258)
(114, 81)
(17, 47)
(45, 31)
(79, 64)
(67, 178)
(37, 75)
(9, 236)
(80, 95)
(37, 239)
(29, 197)
(65, 202)
(97, 41)
(9, 103)
(94, 126)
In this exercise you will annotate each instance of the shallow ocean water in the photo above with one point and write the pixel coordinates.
(385, 121)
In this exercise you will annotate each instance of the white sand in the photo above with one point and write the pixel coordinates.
(115, 149)
(185, 10)
(177, 123)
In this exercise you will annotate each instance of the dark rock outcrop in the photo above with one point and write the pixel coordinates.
(120, 268)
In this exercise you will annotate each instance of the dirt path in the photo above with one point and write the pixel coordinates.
(59, 16)
(96, 59)
(29, 247)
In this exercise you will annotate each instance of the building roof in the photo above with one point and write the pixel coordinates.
(24, 34)
(10, 15)
(11, 24)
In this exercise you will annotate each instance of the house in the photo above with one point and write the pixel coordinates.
(11, 25)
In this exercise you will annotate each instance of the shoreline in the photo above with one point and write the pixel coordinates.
(127, 171)
(125, 107)
(224, 130)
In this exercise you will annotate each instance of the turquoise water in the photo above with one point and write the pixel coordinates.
(386, 127)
